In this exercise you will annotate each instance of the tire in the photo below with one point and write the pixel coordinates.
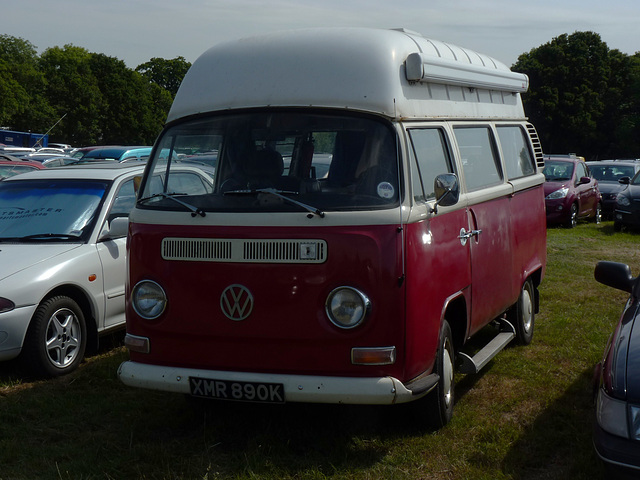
(573, 216)
(439, 403)
(597, 216)
(523, 314)
(56, 339)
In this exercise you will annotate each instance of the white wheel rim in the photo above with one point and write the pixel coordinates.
(527, 310)
(447, 375)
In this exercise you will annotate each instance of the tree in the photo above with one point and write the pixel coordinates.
(72, 89)
(129, 112)
(571, 80)
(627, 109)
(168, 74)
(22, 101)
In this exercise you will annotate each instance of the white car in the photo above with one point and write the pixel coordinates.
(63, 259)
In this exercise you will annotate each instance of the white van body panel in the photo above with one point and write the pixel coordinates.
(351, 68)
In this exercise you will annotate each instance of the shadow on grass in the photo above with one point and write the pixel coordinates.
(558, 445)
(89, 425)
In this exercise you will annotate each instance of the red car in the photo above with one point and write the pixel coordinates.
(10, 166)
(570, 191)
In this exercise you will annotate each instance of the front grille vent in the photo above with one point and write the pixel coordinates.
(244, 251)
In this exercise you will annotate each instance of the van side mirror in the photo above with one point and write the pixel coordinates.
(616, 275)
(447, 190)
(118, 228)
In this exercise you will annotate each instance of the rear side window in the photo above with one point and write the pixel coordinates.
(478, 155)
(515, 150)
(432, 159)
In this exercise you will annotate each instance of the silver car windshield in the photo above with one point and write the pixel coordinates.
(278, 161)
(49, 210)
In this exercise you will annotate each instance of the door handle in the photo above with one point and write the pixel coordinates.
(465, 236)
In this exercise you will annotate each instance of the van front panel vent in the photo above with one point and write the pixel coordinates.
(244, 251)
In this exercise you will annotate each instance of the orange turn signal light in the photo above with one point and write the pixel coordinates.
(373, 355)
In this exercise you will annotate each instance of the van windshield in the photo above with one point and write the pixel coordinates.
(277, 162)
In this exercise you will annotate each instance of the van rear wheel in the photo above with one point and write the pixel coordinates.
(522, 314)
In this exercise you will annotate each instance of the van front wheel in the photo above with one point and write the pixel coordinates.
(440, 401)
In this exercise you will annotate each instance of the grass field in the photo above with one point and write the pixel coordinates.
(527, 416)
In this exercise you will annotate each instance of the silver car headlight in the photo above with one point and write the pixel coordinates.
(347, 307)
(612, 415)
(148, 299)
(561, 193)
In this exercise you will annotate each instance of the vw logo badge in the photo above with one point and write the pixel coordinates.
(236, 302)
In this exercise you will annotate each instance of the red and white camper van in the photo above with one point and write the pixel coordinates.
(375, 200)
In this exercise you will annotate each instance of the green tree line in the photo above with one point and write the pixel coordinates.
(584, 98)
(99, 99)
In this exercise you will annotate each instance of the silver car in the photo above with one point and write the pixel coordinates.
(62, 257)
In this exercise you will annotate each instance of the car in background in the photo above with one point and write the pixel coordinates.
(608, 173)
(116, 153)
(59, 161)
(10, 166)
(65, 147)
(616, 435)
(627, 212)
(63, 256)
(136, 155)
(82, 151)
(571, 192)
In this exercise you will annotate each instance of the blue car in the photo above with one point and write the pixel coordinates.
(616, 435)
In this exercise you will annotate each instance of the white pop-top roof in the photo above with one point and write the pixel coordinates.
(395, 73)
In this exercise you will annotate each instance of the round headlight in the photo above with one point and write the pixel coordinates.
(347, 307)
(148, 299)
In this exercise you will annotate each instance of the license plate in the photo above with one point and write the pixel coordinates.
(237, 391)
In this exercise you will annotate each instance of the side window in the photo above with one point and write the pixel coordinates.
(124, 201)
(515, 149)
(189, 183)
(432, 155)
(581, 171)
(478, 157)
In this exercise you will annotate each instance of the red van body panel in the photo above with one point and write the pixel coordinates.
(438, 269)
(288, 330)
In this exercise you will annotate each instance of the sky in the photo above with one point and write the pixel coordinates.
(137, 30)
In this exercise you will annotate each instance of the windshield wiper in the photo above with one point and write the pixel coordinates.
(42, 236)
(172, 196)
(280, 194)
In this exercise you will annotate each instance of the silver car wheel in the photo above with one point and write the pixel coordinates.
(63, 338)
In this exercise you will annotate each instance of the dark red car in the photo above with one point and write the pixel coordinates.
(10, 166)
(570, 191)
